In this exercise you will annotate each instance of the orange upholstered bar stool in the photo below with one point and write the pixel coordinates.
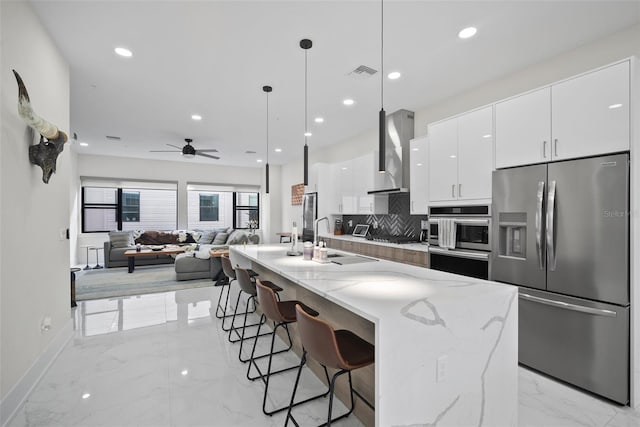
(281, 313)
(338, 349)
(248, 286)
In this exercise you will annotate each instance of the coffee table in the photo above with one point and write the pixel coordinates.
(132, 254)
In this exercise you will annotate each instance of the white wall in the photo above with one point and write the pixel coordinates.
(604, 51)
(34, 274)
(181, 172)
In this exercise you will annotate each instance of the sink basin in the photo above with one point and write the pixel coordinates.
(334, 255)
(352, 259)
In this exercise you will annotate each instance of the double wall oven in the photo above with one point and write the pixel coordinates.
(470, 255)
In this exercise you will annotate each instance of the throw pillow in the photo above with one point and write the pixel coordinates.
(238, 237)
(207, 237)
(220, 239)
(202, 254)
(121, 239)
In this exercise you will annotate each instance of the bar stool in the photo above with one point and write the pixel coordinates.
(281, 313)
(337, 349)
(230, 274)
(247, 286)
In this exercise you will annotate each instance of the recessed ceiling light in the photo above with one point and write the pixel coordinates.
(196, 117)
(344, 168)
(278, 150)
(394, 75)
(86, 395)
(319, 120)
(123, 52)
(348, 101)
(415, 149)
(467, 32)
(614, 106)
(259, 160)
(487, 135)
(84, 144)
(184, 372)
(453, 156)
(308, 134)
(418, 164)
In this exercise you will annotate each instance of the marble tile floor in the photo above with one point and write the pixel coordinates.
(162, 360)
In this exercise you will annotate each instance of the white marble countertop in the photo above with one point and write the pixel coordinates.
(446, 345)
(349, 238)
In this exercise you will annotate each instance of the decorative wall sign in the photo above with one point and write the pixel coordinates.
(297, 191)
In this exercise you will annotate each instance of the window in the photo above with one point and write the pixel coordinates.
(131, 206)
(116, 208)
(208, 207)
(246, 209)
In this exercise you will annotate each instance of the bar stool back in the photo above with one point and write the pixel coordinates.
(230, 273)
(337, 349)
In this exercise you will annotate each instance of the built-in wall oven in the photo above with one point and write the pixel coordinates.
(469, 254)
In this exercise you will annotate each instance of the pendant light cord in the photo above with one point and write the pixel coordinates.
(267, 127)
(381, 53)
(306, 106)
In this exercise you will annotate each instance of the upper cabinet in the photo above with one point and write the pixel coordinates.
(583, 116)
(460, 157)
(418, 176)
(523, 129)
(590, 113)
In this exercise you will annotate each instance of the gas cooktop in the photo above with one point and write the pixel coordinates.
(387, 238)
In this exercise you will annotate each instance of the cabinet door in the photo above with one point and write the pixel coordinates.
(418, 176)
(523, 129)
(443, 161)
(475, 154)
(591, 113)
(330, 190)
(349, 201)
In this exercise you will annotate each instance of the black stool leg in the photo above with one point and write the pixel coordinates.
(253, 357)
(295, 388)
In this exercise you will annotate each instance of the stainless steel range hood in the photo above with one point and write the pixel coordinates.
(399, 133)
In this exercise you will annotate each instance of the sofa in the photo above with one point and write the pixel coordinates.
(195, 263)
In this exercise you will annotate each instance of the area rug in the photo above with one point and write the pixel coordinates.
(117, 282)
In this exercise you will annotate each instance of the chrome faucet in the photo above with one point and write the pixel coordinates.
(315, 229)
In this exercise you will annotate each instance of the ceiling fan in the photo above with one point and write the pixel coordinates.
(188, 150)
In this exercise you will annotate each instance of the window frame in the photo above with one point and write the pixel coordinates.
(237, 208)
(213, 196)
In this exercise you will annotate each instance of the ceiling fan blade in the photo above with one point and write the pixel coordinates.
(175, 146)
(198, 153)
(208, 150)
(164, 151)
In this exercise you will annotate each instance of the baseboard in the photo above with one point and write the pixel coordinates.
(21, 390)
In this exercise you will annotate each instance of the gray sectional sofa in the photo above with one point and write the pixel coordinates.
(195, 263)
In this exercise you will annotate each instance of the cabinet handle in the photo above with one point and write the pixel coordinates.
(459, 190)
(544, 149)
(453, 190)
(412, 208)
(555, 147)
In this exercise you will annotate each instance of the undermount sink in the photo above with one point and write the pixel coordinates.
(334, 255)
(351, 259)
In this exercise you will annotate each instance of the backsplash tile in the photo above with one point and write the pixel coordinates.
(398, 222)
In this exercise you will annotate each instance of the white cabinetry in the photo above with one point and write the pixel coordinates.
(590, 113)
(523, 129)
(351, 181)
(582, 116)
(418, 188)
(460, 157)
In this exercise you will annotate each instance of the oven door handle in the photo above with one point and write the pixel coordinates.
(465, 221)
(459, 254)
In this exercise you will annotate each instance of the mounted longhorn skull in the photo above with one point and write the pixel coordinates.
(52, 140)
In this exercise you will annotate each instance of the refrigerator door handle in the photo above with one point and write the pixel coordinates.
(551, 207)
(539, 202)
(569, 306)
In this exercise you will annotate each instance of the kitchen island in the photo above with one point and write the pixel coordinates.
(446, 345)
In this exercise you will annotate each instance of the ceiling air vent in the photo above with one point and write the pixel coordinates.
(113, 138)
(362, 72)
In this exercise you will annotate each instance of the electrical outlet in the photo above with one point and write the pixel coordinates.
(441, 368)
(45, 326)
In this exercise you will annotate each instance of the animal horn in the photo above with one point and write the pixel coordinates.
(42, 126)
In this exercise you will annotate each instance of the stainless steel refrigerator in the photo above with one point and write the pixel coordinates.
(561, 232)
(309, 214)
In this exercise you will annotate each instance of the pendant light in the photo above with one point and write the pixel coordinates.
(267, 89)
(306, 45)
(382, 117)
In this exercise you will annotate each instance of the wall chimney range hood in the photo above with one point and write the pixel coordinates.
(398, 134)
